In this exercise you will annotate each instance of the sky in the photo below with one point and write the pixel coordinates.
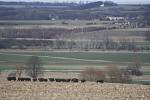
(116, 1)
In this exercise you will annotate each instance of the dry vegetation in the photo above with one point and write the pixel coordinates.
(72, 91)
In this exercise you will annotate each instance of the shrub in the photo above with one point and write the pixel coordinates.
(64, 23)
(92, 74)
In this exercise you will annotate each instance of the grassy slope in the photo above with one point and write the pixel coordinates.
(74, 58)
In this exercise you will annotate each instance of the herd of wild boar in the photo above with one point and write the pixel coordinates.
(75, 80)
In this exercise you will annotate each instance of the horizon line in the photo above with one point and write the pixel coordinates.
(76, 2)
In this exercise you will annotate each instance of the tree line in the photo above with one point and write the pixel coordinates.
(84, 45)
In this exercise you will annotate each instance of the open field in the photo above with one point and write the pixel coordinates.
(72, 91)
(64, 60)
(50, 22)
(68, 24)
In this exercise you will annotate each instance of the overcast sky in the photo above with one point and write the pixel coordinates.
(117, 1)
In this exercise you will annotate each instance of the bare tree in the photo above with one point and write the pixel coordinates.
(92, 74)
(135, 66)
(126, 76)
(114, 73)
(118, 75)
(19, 69)
(34, 67)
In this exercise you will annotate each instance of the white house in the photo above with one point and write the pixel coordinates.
(115, 18)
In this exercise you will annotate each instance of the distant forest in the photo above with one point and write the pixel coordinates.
(59, 11)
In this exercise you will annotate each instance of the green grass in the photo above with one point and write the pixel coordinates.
(68, 59)
(141, 82)
(114, 57)
(147, 73)
(48, 22)
(6, 67)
